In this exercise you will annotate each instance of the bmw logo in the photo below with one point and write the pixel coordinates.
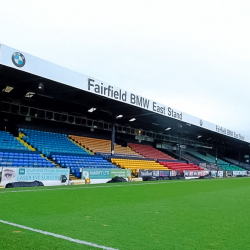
(18, 59)
(201, 122)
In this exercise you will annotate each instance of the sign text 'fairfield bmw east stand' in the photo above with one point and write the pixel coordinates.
(25, 62)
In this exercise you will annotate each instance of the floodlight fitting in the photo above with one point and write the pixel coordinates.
(41, 86)
(167, 128)
(29, 94)
(91, 110)
(119, 116)
(7, 89)
(132, 119)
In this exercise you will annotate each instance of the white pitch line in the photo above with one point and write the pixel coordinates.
(58, 236)
(106, 186)
(90, 187)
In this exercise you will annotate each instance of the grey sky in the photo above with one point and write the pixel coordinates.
(191, 55)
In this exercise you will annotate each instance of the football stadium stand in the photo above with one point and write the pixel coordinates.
(76, 153)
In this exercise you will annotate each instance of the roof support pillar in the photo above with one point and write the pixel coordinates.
(179, 147)
(113, 139)
(179, 125)
(239, 157)
(216, 159)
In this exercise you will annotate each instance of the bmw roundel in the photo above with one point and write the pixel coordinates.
(18, 59)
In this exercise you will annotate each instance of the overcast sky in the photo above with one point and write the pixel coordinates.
(191, 55)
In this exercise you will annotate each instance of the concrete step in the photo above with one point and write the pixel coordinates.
(77, 182)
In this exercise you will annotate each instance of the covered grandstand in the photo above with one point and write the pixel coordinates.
(54, 117)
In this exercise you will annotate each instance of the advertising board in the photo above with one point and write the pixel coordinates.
(10, 174)
(103, 173)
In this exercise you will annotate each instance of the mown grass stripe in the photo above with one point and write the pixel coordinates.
(58, 236)
(109, 186)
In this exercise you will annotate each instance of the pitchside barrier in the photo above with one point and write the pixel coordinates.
(237, 173)
(209, 166)
(156, 173)
(48, 176)
(102, 175)
(194, 174)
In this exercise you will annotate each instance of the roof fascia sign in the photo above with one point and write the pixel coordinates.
(25, 62)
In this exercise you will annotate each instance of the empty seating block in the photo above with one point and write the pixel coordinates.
(211, 159)
(181, 166)
(82, 161)
(10, 159)
(149, 151)
(47, 142)
(135, 165)
(8, 141)
(201, 157)
(224, 165)
(76, 162)
(189, 157)
(243, 164)
(103, 146)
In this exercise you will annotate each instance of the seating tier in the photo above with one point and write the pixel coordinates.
(103, 146)
(149, 151)
(8, 141)
(181, 166)
(47, 142)
(11, 159)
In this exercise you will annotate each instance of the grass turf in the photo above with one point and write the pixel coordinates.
(197, 214)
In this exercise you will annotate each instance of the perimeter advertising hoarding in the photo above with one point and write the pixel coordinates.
(40, 67)
(33, 174)
(103, 173)
(235, 173)
(155, 173)
(217, 173)
(195, 173)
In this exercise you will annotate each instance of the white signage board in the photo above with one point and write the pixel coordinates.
(25, 62)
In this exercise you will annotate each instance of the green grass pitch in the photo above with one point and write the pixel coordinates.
(185, 214)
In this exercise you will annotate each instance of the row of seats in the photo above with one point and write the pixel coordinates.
(149, 151)
(102, 146)
(82, 161)
(181, 166)
(47, 142)
(10, 159)
(27, 165)
(8, 141)
(211, 159)
(134, 165)
(189, 157)
(245, 165)
(108, 155)
(223, 164)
